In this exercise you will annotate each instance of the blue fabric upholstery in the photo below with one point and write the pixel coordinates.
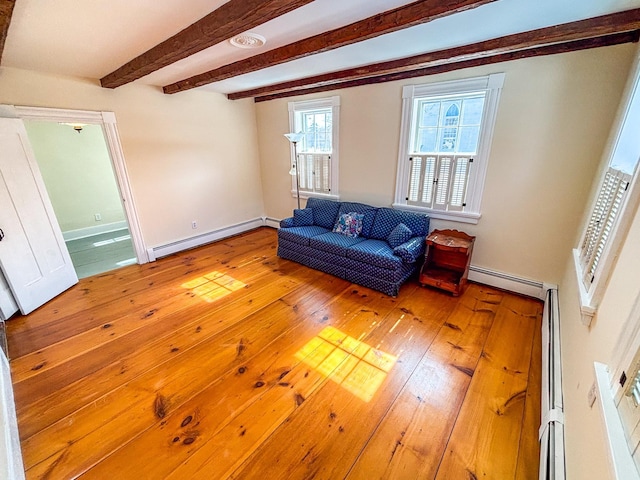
(287, 222)
(387, 219)
(411, 251)
(400, 234)
(325, 212)
(367, 260)
(301, 235)
(334, 243)
(303, 217)
(374, 252)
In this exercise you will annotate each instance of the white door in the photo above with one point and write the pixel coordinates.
(33, 255)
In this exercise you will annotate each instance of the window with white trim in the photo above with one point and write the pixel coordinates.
(317, 152)
(618, 192)
(445, 140)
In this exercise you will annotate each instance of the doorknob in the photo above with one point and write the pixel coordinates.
(1, 234)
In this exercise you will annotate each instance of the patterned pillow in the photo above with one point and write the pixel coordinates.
(349, 224)
(400, 234)
(302, 217)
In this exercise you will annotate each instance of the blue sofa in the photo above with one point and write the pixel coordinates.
(383, 255)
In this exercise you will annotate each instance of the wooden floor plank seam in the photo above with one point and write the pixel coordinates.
(248, 393)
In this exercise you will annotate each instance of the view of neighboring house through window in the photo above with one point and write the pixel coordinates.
(445, 141)
(317, 152)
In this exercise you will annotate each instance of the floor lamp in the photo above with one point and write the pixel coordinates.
(295, 138)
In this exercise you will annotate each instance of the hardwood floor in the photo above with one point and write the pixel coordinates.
(229, 362)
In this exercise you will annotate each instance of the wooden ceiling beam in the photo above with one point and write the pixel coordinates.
(390, 21)
(6, 10)
(605, 25)
(232, 18)
(605, 41)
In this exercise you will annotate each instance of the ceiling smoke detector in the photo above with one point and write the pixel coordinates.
(248, 40)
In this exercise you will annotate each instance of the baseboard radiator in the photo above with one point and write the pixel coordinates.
(552, 463)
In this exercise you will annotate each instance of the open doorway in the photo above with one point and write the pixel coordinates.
(76, 168)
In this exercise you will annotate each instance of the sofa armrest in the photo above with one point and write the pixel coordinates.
(287, 222)
(412, 250)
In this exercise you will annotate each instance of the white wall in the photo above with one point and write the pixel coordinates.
(190, 156)
(77, 172)
(553, 121)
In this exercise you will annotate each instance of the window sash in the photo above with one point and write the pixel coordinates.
(319, 139)
(604, 215)
(438, 181)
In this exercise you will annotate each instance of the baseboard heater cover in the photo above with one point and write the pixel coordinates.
(199, 240)
(552, 455)
(512, 283)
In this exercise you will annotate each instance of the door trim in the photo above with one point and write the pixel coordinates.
(107, 120)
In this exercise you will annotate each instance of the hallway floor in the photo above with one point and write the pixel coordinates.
(101, 253)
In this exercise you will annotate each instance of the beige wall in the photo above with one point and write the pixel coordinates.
(553, 121)
(77, 172)
(190, 156)
(586, 449)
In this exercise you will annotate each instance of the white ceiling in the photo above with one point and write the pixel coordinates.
(92, 38)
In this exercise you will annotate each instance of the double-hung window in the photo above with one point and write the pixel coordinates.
(317, 151)
(444, 146)
(619, 192)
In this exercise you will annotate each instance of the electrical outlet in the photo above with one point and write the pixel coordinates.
(194, 224)
(98, 217)
(591, 395)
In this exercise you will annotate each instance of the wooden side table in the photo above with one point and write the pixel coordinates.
(447, 259)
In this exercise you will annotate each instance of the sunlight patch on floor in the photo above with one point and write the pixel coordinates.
(102, 243)
(357, 367)
(213, 286)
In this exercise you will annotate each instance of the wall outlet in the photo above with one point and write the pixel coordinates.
(591, 395)
(98, 217)
(194, 224)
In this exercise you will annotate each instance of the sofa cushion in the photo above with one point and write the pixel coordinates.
(302, 217)
(335, 243)
(374, 252)
(387, 219)
(349, 224)
(368, 211)
(399, 235)
(325, 212)
(301, 235)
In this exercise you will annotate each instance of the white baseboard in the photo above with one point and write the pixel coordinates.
(199, 240)
(271, 222)
(512, 283)
(93, 230)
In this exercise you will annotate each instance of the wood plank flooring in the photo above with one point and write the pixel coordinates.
(229, 362)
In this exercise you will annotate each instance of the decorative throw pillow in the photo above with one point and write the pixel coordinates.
(399, 235)
(302, 217)
(349, 224)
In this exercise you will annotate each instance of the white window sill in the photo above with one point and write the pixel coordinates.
(587, 308)
(462, 217)
(622, 463)
(306, 195)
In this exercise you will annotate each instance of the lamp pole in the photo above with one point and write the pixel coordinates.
(295, 138)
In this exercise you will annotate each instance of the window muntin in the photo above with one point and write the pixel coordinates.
(447, 125)
(317, 128)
